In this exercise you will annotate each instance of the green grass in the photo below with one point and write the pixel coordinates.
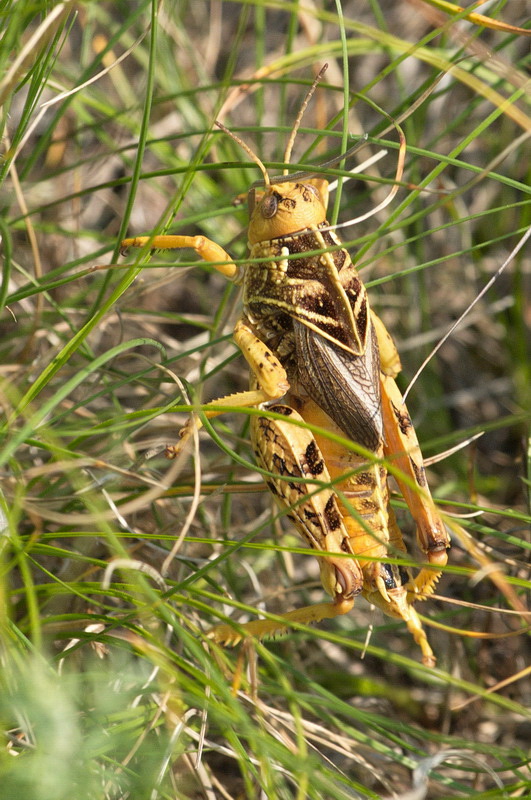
(108, 687)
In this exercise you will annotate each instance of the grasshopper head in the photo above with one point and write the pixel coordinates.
(286, 208)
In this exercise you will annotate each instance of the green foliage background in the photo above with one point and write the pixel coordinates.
(108, 686)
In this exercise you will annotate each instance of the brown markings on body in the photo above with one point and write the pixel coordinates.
(403, 419)
(331, 513)
(313, 459)
(420, 474)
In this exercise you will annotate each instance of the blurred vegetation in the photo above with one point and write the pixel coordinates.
(108, 686)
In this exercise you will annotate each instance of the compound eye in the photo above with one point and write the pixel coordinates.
(269, 206)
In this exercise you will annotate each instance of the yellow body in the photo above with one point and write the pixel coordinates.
(318, 355)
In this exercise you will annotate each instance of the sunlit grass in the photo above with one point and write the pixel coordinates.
(108, 685)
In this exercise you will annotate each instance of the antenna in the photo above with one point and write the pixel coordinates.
(289, 146)
(291, 142)
(249, 152)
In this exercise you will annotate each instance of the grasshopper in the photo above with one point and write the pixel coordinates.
(318, 355)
